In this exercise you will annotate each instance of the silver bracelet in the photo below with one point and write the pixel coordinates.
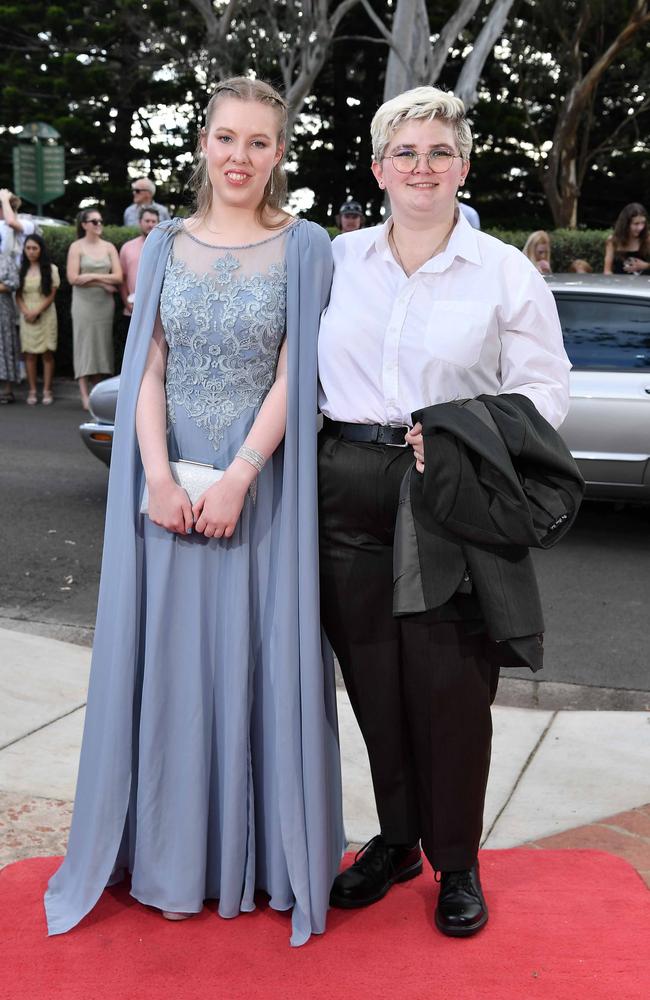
(251, 456)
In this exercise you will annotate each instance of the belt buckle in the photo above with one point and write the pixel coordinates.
(397, 444)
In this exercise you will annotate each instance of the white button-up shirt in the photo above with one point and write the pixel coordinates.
(476, 318)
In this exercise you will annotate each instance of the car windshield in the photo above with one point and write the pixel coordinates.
(603, 333)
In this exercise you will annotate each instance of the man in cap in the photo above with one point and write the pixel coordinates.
(350, 217)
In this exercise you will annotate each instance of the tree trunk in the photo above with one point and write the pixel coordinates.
(312, 37)
(449, 32)
(565, 202)
(404, 43)
(560, 175)
(470, 74)
(414, 62)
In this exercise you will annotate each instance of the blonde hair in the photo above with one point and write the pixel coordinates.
(244, 89)
(420, 104)
(580, 266)
(533, 241)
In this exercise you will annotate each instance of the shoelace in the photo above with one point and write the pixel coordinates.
(456, 880)
(368, 858)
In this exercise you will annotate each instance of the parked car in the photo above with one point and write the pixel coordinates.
(98, 433)
(606, 325)
(43, 221)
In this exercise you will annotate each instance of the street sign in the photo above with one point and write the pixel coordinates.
(39, 171)
(38, 130)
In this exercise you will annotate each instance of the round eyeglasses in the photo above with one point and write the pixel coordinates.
(439, 160)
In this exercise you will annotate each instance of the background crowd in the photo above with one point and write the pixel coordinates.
(97, 272)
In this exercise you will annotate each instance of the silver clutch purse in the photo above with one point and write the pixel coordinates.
(194, 477)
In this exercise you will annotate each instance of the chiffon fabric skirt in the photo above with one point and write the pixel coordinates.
(204, 815)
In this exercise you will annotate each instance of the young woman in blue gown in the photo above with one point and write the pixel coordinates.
(209, 765)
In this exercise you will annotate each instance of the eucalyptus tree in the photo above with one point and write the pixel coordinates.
(581, 69)
(421, 36)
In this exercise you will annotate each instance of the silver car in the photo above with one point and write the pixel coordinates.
(97, 434)
(606, 325)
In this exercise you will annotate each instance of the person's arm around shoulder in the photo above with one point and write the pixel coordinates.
(533, 359)
(609, 256)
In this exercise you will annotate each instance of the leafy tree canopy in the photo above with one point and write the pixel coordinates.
(126, 83)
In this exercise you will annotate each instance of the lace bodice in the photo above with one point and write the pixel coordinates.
(223, 313)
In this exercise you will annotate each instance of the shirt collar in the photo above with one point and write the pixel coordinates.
(463, 243)
(380, 244)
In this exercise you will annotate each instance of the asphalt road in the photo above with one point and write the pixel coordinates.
(595, 585)
(52, 504)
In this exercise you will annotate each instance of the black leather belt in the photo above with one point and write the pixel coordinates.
(367, 433)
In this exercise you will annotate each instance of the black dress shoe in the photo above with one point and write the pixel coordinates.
(461, 908)
(376, 867)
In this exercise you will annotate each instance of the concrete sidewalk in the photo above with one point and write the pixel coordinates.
(558, 778)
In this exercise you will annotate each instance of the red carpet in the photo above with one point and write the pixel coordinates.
(564, 925)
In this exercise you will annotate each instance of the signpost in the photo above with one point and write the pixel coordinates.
(39, 165)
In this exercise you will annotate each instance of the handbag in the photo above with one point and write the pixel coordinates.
(194, 477)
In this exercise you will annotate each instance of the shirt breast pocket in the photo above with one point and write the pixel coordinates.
(456, 331)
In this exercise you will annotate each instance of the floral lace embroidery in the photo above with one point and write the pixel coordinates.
(224, 335)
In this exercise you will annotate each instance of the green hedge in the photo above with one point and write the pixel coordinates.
(567, 245)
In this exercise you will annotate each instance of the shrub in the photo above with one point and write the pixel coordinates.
(566, 245)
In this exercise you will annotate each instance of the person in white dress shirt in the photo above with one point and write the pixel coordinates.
(423, 310)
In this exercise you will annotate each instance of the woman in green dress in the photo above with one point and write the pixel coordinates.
(94, 271)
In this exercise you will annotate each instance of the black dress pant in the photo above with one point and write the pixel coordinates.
(421, 686)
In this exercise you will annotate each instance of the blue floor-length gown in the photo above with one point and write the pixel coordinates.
(211, 808)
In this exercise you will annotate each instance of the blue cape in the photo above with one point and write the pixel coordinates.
(306, 752)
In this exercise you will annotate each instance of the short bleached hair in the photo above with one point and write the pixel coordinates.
(419, 104)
